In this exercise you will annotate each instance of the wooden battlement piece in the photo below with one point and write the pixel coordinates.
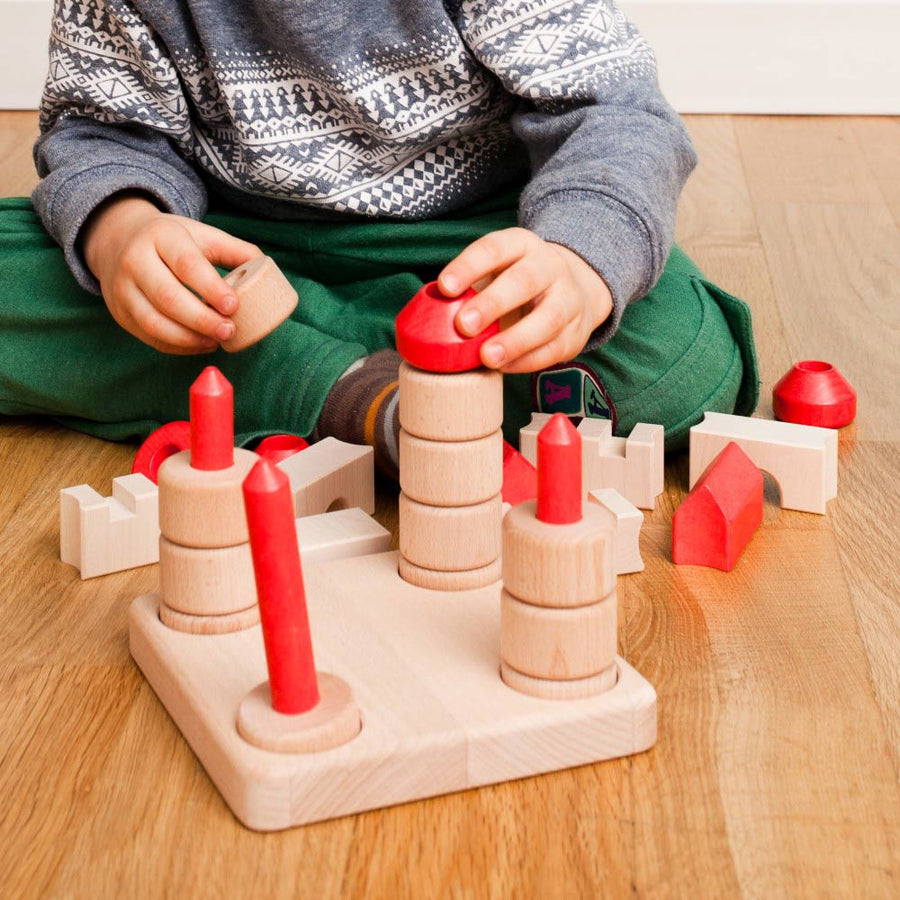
(626, 520)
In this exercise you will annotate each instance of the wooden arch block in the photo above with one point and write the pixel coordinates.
(720, 515)
(802, 459)
(99, 535)
(626, 520)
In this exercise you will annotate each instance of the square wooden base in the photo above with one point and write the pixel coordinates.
(424, 668)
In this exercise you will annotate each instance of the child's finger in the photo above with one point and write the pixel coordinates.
(187, 261)
(543, 324)
(494, 251)
(148, 324)
(563, 347)
(222, 248)
(523, 281)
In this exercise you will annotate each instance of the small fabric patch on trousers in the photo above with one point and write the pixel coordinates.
(573, 389)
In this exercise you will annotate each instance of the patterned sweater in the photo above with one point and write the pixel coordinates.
(393, 108)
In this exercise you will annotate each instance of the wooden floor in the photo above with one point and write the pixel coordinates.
(776, 771)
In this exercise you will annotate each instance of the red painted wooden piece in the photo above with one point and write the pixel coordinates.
(427, 337)
(559, 497)
(717, 519)
(814, 393)
(277, 447)
(279, 588)
(166, 441)
(212, 421)
(519, 477)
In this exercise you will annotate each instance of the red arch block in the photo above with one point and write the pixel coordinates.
(719, 516)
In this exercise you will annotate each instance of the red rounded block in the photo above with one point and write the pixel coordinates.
(212, 421)
(172, 438)
(814, 393)
(559, 497)
(427, 337)
(277, 447)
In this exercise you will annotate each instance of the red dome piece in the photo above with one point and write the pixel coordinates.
(172, 438)
(277, 447)
(814, 393)
(427, 337)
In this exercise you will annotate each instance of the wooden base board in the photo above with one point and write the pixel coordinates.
(424, 669)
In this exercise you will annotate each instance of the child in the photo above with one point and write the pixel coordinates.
(521, 146)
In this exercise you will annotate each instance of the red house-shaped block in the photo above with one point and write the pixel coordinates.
(519, 477)
(717, 519)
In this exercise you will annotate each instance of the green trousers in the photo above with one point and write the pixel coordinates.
(685, 348)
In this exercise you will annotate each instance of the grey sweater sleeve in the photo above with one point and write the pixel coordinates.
(609, 156)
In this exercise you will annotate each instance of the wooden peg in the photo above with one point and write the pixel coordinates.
(212, 421)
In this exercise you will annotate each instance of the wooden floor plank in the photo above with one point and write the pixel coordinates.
(879, 139)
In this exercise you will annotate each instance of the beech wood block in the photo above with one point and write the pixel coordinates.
(265, 299)
(331, 475)
(801, 458)
(436, 580)
(339, 535)
(457, 473)
(453, 406)
(225, 624)
(558, 643)
(333, 721)
(553, 689)
(200, 508)
(206, 582)
(437, 717)
(450, 538)
(626, 520)
(99, 535)
(558, 565)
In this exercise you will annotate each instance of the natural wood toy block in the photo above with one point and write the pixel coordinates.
(193, 624)
(558, 689)
(574, 642)
(340, 535)
(265, 299)
(437, 580)
(331, 475)
(451, 473)
(802, 459)
(716, 520)
(459, 406)
(437, 718)
(99, 535)
(626, 520)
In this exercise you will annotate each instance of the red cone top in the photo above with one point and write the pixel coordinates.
(427, 337)
(814, 393)
(212, 421)
(559, 472)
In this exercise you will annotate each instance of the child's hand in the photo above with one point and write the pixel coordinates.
(563, 297)
(145, 261)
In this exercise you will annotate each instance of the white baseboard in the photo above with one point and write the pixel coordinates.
(715, 56)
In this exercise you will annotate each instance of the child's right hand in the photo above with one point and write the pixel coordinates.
(146, 261)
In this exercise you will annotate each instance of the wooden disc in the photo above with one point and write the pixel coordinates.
(451, 473)
(203, 508)
(450, 539)
(265, 299)
(549, 689)
(435, 580)
(558, 565)
(558, 643)
(332, 722)
(236, 621)
(458, 406)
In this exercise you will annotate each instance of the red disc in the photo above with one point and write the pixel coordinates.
(159, 446)
(814, 393)
(427, 337)
(277, 447)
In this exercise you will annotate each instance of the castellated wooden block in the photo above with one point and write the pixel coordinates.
(626, 520)
(457, 473)
(558, 689)
(450, 539)
(331, 475)
(99, 535)
(203, 508)
(265, 299)
(558, 565)
(206, 582)
(577, 642)
(458, 406)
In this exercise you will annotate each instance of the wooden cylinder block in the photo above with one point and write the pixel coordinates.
(435, 580)
(227, 624)
(206, 582)
(203, 508)
(265, 299)
(558, 643)
(458, 406)
(454, 473)
(558, 565)
(551, 689)
(450, 539)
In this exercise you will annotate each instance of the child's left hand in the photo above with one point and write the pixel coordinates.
(564, 298)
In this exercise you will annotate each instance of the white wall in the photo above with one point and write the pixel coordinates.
(763, 56)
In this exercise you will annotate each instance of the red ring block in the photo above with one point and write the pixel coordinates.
(814, 393)
(166, 441)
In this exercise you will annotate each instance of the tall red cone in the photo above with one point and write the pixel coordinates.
(212, 421)
(559, 497)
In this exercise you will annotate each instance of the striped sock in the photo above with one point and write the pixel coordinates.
(361, 408)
